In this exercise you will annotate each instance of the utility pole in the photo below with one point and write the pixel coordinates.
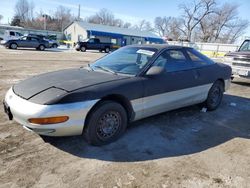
(79, 12)
(45, 21)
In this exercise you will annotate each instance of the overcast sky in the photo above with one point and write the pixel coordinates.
(128, 10)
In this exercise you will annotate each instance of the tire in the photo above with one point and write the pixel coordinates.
(215, 95)
(106, 123)
(107, 50)
(83, 49)
(41, 47)
(54, 46)
(13, 46)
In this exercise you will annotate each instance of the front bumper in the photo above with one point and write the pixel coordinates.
(77, 47)
(239, 68)
(241, 71)
(22, 110)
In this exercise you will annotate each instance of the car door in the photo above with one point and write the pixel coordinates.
(91, 44)
(23, 42)
(33, 43)
(173, 89)
(205, 71)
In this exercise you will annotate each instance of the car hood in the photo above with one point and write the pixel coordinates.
(62, 82)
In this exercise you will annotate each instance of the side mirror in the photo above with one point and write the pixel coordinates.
(155, 70)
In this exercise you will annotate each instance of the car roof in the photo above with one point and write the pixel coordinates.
(159, 46)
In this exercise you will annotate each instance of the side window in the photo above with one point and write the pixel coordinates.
(173, 60)
(91, 40)
(198, 59)
(12, 33)
(245, 46)
(34, 39)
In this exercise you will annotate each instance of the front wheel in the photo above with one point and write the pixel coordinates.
(83, 48)
(107, 50)
(13, 46)
(106, 123)
(215, 95)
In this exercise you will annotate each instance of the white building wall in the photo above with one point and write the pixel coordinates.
(75, 33)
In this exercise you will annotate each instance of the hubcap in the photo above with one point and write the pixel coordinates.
(108, 125)
(215, 96)
(13, 46)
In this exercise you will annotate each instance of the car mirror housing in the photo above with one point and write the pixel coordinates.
(155, 70)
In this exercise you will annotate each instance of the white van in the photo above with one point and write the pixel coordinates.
(9, 35)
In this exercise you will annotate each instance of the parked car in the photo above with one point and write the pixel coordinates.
(129, 84)
(240, 60)
(10, 35)
(27, 42)
(52, 43)
(93, 44)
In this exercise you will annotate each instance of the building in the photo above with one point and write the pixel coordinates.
(24, 31)
(78, 31)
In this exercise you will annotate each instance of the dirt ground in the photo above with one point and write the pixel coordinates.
(181, 148)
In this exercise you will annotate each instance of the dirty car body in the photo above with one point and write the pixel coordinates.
(143, 79)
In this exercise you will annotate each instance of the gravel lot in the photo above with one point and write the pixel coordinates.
(181, 148)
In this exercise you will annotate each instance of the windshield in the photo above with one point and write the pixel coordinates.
(128, 60)
(245, 46)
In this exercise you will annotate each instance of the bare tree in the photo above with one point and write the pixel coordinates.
(144, 25)
(161, 25)
(193, 14)
(62, 17)
(223, 25)
(24, 10)
(127, 25)
(106, 17)
(168, 27)
(225, 15)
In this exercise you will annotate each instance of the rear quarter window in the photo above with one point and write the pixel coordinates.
(198, 59)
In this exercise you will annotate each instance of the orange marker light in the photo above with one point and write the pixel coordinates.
(48, 120)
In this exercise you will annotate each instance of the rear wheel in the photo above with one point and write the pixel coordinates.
(106, 123)
(54, 46)
(13, 46)
(215, 95)
(41, 47)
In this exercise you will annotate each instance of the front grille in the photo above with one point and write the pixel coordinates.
(242, 59)
(241, 64)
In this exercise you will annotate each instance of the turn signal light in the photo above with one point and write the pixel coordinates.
(48, 120)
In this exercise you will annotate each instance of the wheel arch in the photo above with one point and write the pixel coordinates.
(13, 43)
(116, 98)
(222, 81)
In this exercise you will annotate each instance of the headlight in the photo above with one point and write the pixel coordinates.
(3, 41)
(228, 60)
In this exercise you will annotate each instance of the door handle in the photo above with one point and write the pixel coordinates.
(196, 74)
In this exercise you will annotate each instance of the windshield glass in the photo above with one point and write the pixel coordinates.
(245, 46)
(128, 60)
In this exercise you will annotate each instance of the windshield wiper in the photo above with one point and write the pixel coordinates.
(105, 69)
(90, 67)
